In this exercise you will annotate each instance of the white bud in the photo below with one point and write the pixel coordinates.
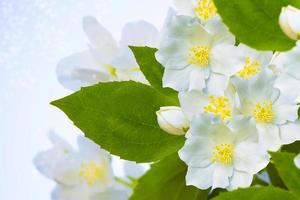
(172, 120)
(289, 21)
(297, 161)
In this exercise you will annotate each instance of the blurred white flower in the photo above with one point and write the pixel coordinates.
(106, 60)
(204, 9)
(194, 56)
(297, 161)
(275, 117)
(287, 66)
(85, 174)
(222, 155)
(289, 20)
(172, 120)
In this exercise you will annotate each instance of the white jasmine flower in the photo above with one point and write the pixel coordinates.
(253, 61)
(203, 9)
(82, 174)
(297, 161)
(106, 60)
(272, 114)
(195, 102)
(222, 155)
(288, 81)
(195, 57)
(172, 120)
(289, 21)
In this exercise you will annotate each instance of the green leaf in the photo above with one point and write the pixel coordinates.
(120, 117)
(289, 173)
(274, 176)
(293, 148)
(255, 22)
(153, 70)
(257, 193)
(166, 181)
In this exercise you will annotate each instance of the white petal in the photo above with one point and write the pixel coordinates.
(89, 149)
(47, 162)
(172, 54)
(269, 136)
(220, 32)
(284, 113)
(202, 178)
(221, 176)
(240, 180)
(79, 70)
(100, 38)
(192, 103)
(297, 161)
(177, 79)
(223, 59)
(294, 21)
(250, 157)
(290, 132)
(198, 78)
(70, 193)
(125, 60)
(196, 152)
(289, 87)
(68, 171)
(184, 7)
(139, 33)
(217, 84)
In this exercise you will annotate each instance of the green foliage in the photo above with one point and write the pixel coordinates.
(166, 181)
(289, 173)
(153, 70)
(257, 193)
(120, 117)
(255, 22)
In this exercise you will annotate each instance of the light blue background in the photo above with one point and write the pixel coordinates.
(34, 36)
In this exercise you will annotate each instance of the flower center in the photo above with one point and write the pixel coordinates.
(218, 106)
(205, 9)
(223, 153)
(263, 112)
(199, 55)
(91, 172)
(111, 70)
(250, 69)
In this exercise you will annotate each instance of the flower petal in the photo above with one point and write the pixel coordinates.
(100, 38)
(250, 157)
(284, 113)
(139, 33)
(290, 132)
(177, 79)
(200, 177)
(269, 136)
(240, 180)
(79, 70)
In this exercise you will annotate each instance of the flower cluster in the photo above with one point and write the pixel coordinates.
(237, 103)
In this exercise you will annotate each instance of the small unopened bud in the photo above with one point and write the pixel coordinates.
(297, 161)
(172, 120)
(289, 21)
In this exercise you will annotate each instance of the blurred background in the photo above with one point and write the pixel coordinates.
(34, 36)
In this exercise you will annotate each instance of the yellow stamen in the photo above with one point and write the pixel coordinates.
(199, 55)
(223, 154)
(250, 69)
(91, 172)
(263, 112)
(218, 106)
(205, 9)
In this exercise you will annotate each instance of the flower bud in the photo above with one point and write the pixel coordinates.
(289, 21)
(172, 120)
